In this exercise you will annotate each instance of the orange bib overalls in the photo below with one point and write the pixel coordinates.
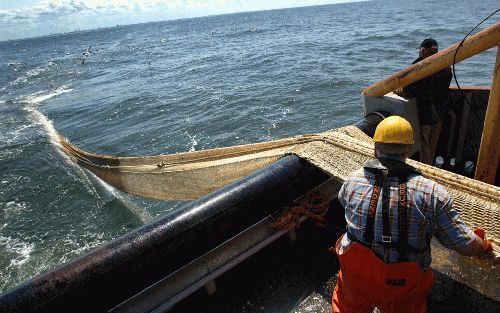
(365, 281)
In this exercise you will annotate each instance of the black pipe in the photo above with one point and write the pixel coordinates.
(371, 121)
(103, 278)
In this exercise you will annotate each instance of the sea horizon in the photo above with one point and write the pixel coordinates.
(82, 30)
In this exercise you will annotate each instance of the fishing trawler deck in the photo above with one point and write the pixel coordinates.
(245, 191)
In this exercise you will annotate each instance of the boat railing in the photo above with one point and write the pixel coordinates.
(489, 151)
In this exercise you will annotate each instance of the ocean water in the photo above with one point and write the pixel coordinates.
(185, 85)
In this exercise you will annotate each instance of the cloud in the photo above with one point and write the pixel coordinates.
(61, 8)
(68, 7)
(57, 16)
(45, 8)
(52, 7)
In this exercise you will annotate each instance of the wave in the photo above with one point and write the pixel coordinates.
(47, 125)
(12, 135)
(41, 96)
(244, 32)
(30, 73)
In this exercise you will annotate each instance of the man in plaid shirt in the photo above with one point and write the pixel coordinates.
(392, 212)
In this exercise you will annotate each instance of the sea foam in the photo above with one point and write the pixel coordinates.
(19, 250)
(41, 96)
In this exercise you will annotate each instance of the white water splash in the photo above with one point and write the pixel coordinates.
(275, 123)
(41, 96)
(39, 118)
(19, 250)
(78, 244)
(53, 136)
(143, 215)
(47, 125)
(24, 78)
(13, 208)
(194, 142)
(13, 135)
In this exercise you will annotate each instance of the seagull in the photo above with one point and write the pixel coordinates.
(88, 52)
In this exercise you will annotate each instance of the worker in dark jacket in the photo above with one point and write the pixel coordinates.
(392, 212)
(431, 94)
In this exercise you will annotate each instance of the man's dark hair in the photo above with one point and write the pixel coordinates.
(428, 43)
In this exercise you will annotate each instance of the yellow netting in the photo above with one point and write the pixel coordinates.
(338, 152)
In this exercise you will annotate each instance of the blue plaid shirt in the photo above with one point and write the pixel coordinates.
(430, 213)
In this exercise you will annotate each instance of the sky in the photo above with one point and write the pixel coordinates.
(31, 18)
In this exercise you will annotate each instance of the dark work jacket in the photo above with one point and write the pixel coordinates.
(431, 93)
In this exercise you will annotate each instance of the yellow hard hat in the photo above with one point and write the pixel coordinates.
(395, 130)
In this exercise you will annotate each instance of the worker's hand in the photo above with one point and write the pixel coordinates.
(488, 243)
(480, 233)
(488, 249)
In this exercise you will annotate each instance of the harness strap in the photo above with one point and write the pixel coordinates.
(386, 225)
(372, 208)
(393, 245)
(402, 245)
(403, 218)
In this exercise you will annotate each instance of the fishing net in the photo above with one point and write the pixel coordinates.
(346, 149)
(338, 152)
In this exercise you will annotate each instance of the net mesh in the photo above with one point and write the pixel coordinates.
(337, 152)
(346, 149)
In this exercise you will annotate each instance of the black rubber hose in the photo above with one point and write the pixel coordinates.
(370, 122)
